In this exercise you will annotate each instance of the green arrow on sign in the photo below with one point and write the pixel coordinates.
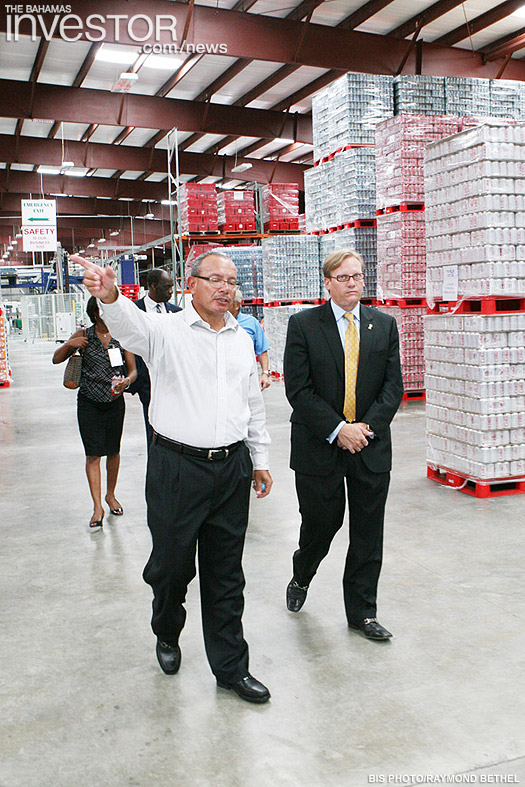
(37, 218)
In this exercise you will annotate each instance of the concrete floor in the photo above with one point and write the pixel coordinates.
(84, 702)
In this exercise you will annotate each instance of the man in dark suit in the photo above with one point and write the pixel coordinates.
(160, 290)
(343, 379)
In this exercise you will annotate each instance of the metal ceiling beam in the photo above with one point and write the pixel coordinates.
(305, 8)
(363, 13)
(81, 187)
(39, 60)
(34, 150)
(481, 22)
(85, 206)
(429, 15)
(190, 62)
(80, 105)
(505, 46)
(252, 36)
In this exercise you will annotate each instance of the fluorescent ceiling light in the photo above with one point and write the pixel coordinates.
(168, 202)
(125, 82)
(242, 167)
(14, 242)
(149, 216)
(67, 164)
(77, 173)
(120, 55)
(114, 232)
(284, 139)
(520, 13)
(81, 251)
(101, 240)
(43, 169)
(18, 235)
(167, 62)
(91, 245)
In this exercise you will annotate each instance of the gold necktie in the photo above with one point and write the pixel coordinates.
(351, 363)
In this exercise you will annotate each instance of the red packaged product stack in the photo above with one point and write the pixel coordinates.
(281, 207)
(198, 208)
(236, 210)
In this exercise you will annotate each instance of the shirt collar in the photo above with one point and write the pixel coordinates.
(192, 317)
(339, 312)
(151, 305)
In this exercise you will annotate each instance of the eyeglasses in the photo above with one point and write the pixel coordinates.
(342, 278)
(216, 281)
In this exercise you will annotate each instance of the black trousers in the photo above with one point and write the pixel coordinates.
(322, 507)
(197, 503)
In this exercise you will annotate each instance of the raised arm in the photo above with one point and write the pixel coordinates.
(134, 329)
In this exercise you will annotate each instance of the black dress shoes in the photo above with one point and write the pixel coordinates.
(247, 688)
(371, 629)
(295, 595)
(169, 657)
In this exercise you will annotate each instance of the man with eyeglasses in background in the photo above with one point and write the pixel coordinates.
(209, 443)
(343, 380)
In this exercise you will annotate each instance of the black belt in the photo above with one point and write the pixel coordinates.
(212, 454)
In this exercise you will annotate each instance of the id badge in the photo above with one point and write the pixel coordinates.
(115, 356)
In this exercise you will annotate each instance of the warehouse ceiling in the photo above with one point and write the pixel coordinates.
(238, 90)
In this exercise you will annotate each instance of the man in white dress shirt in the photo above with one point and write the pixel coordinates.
(210, 442)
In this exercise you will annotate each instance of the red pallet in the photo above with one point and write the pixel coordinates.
(404, 303)
(403, 208)
(5, 383)
(414, 396)
(253, 302)
(474, 487)
(361, 223)
(484, 305)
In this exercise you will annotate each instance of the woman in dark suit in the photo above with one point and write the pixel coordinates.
(107, 370)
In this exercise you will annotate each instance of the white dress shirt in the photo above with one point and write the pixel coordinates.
(151, 305)
(204, 384)
(342, 325)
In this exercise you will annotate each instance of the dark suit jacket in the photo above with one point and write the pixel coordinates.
(315, 387)
(142, 384)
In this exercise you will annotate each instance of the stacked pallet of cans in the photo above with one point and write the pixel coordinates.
(401, 248)
(198, 207)
(281, 207)
(236, 210)
(475, 197)
(341, 190)
(474, 344)
(291, 270)
(348, 110)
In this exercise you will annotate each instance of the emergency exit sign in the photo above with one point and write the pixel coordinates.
(39, 224)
